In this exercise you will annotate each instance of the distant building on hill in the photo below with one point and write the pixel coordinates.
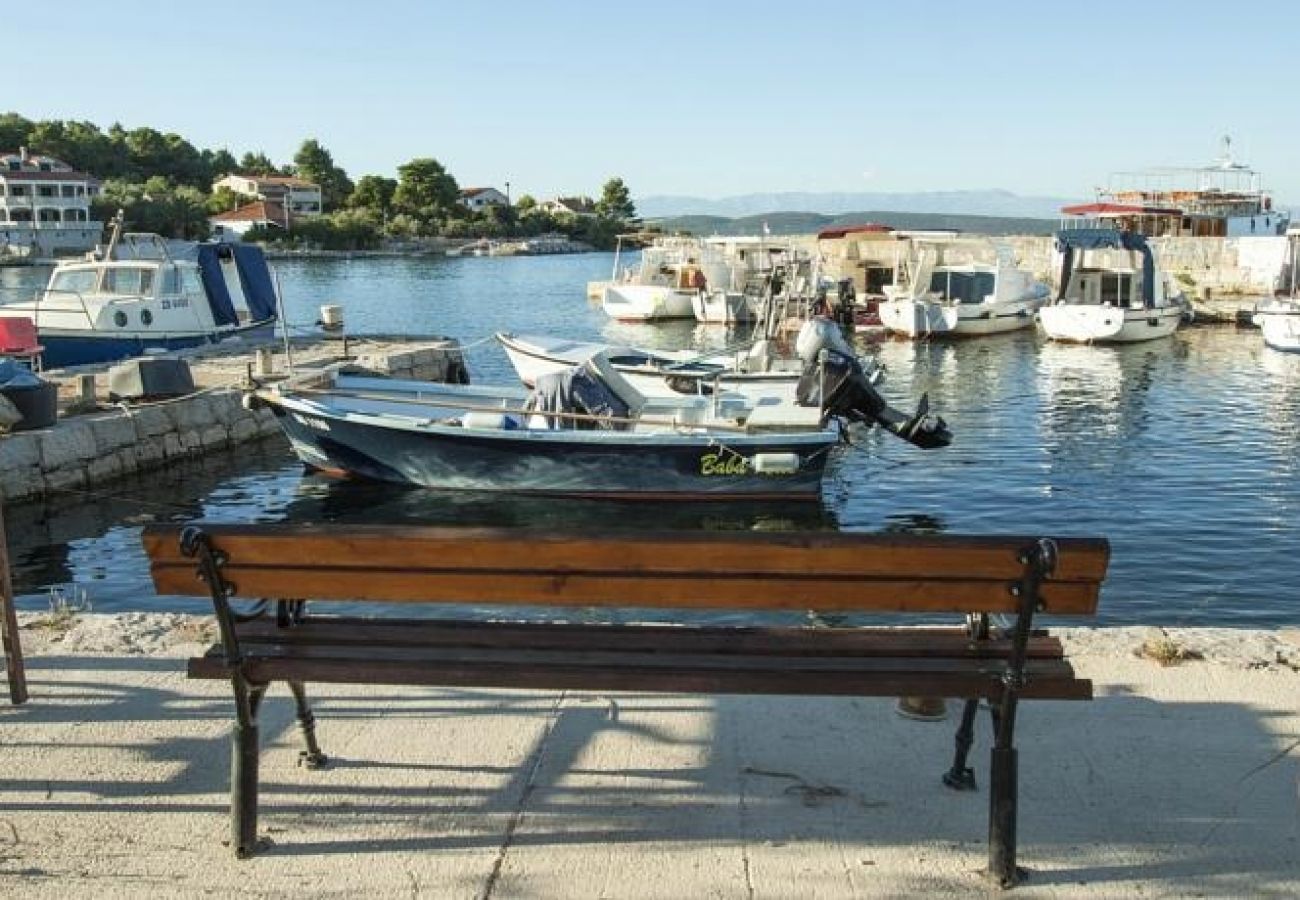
(234, 224)
(480, 198)
(574, 206)
(299, 196)
(45, 205)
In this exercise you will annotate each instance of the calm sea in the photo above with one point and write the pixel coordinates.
(1183, 452)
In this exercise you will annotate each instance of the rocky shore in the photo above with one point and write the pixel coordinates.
(1181, 779)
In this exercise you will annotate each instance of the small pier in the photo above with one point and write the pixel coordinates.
(96, 439)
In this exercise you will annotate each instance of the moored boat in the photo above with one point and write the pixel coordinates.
(136, 297)
(752, 372)
(965, 299)
(582, 432)
(1105, 301)
(1279, 320)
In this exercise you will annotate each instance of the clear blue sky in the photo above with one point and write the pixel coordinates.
(705, 98)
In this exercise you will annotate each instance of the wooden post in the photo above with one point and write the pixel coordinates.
(9, 624)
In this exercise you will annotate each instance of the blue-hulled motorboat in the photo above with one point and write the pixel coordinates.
(140, 294)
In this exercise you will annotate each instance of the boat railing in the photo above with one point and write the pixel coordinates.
(523, 411)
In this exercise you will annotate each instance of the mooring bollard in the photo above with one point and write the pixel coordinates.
(265, 361)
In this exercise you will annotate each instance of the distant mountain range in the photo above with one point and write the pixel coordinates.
(781, 223)
(977, 203)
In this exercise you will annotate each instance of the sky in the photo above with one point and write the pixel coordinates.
(709, 98)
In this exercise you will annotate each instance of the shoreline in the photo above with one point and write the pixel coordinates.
(1176, 780)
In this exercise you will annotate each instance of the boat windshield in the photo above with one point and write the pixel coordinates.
(74, 281)
(132, 280)
(964, 287)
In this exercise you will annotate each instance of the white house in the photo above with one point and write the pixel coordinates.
(300, 197)
(480, 198)
(234, 224)
(45, 205)
(583, 207)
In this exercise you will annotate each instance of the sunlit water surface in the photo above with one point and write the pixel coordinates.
(1182, 452)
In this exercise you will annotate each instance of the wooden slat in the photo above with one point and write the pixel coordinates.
(621, 589)
(869, 678)
(734, 640)
(744, 553)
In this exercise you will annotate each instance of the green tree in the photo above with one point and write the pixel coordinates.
(525, 204)
(315, 164)
(616, 202)
(14, 130)
(223, 199)
(427, 192)
(220, 162)
(373, 192)
(155, 205)
(257, 164)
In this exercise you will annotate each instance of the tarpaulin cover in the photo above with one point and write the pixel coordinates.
(255, 276)
(214, 284)
(576, 391)
(1080, 239)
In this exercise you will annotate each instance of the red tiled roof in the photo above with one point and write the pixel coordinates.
(474, 192)
(261, 211)
(29, 175)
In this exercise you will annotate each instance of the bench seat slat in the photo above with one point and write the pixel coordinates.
(721, 553)
(874, 677)
(751, 640)
(702, 590)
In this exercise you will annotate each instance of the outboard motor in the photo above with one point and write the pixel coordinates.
(834, 380)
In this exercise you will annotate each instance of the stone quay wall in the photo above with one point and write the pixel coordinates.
(83, 451)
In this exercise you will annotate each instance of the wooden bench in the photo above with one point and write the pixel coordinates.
(742, 571)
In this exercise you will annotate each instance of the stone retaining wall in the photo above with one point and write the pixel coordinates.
(86, 450)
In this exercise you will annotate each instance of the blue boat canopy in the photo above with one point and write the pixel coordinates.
(1081, 239)
(254, 281)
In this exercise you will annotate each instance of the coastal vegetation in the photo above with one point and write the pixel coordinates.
(164, 183)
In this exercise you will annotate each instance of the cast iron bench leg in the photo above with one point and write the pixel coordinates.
(961, 777)
(245, 747)
(312, 757)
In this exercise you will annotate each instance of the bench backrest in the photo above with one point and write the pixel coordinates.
(828, 571)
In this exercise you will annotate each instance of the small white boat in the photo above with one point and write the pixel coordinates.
(1107, 302)
(1279, 320)
(724, 307)
(649, 302)
(963, 299)
(752, 373)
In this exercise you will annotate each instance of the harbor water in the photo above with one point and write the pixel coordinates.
(1183, 452)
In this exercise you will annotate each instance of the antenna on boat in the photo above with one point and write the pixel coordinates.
(115, 234)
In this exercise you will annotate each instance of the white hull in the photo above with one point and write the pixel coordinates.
(646, 303)
(927, 318)
(723, 307)
(1089, 323)
(1281, 327)
(531, 362)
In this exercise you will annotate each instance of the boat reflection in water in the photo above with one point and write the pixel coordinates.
(321, 498)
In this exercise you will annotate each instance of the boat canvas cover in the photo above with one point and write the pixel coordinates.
(255, 276)
(254, 280)
(577, 390)
(1081, 239)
